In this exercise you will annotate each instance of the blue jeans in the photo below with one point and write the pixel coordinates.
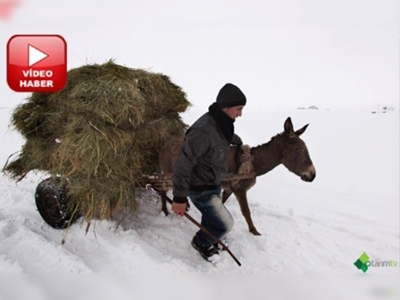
(215, 217)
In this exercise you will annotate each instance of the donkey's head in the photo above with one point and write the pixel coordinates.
(295, 156)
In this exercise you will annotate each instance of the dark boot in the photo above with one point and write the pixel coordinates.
(209, 253)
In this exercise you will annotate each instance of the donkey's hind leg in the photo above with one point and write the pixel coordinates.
(244, 206)
(164, 207)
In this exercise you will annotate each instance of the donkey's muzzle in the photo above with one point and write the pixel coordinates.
(309, 176)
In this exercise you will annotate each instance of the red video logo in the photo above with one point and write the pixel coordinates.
(36, 63)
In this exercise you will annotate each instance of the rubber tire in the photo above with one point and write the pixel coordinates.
(51, 201)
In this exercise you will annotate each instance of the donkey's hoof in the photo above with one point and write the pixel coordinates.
(255, 232)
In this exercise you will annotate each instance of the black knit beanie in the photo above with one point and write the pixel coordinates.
(230, 95)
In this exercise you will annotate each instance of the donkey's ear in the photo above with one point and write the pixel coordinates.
(301, 130)
(288, 126)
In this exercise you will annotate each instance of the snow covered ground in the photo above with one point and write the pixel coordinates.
(316, 229)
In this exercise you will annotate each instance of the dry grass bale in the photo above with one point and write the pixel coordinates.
(101, 133)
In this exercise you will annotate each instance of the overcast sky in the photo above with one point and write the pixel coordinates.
(286, 53)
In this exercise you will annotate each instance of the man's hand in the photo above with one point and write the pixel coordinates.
(179, 208)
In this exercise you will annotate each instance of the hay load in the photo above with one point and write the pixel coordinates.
(100, 134)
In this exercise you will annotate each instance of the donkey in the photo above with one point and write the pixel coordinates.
(286, 148)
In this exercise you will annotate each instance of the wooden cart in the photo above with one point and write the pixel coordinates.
(51, 197)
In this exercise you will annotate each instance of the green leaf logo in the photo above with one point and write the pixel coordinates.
(361, 263)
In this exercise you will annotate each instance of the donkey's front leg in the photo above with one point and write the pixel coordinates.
(244, 206)
(225, 195)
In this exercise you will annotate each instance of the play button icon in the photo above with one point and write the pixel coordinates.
(35, 55)
(36, 63)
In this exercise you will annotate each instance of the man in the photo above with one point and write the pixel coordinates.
(201, 165)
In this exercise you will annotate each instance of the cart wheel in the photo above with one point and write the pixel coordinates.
(51, 202)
